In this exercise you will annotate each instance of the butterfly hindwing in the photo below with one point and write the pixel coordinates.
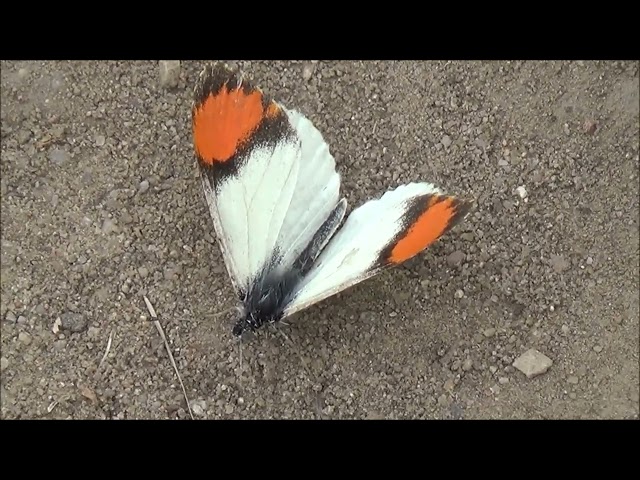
(379, 234)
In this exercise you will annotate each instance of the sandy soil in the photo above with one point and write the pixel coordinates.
(101, 204)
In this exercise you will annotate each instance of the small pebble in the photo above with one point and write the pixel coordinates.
(559, 263)
(459, 293)
(169, 73)
(307, 71)
(489, 332)
(22, 320)
(197, 409)
(100, 140)
(493, 369)
(597, 348)
(503, 380)
(58, 156)
(443, 400)
(589, 127)
(572, 395)
(521, 191)
(446, 141)
(144, 186)
(109, 226)
(449, 385)
(455, 258)
(532, 363)
(467, 365)
(565, 329)
(4, 363)
(10, 317)
(24, 337)
(573, 380)
(74, 322)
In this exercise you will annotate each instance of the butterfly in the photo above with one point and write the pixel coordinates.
(273, 193)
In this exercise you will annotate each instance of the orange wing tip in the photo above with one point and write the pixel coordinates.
(437, 215)
(227, 111)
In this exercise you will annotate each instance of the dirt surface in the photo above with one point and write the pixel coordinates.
(101, 204)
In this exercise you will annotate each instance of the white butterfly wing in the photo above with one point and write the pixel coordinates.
(268, 176)
(379, 234)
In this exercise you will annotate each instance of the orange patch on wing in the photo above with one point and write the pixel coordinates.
(429, 226)
(225, 120)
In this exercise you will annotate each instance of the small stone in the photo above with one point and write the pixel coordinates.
(559, 263)
(24, 337)
(74, 322)
(4, 363)
(58, 156)
(493, 369)
(572, 395)
(198, 408)
(597, 348)
(573, 380)
(565, 127)
(502, 162)
(169, 73)
(443, 400)
(467, 365)
(22, 73)
(589, 261)
(521, 191)
(459, 293)
(10, 317)
(503, 380)
(109, 226)
(89, 394)
(307, 71)
(495, 389)
(144, 186)
(532, 363)
(23, 136)
(449, 385)
(489, 332)
(100, 140)
(590, 127)
(228, 409)
(93, 332)
(143, 272)
(446, 141)
(22, 320)
(565, 329)
(456, 258)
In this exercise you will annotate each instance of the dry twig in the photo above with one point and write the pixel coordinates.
(152, 312)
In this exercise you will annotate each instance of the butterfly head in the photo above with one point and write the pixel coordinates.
(247, 321)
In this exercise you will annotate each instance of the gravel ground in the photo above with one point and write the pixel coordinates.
(529, 309)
